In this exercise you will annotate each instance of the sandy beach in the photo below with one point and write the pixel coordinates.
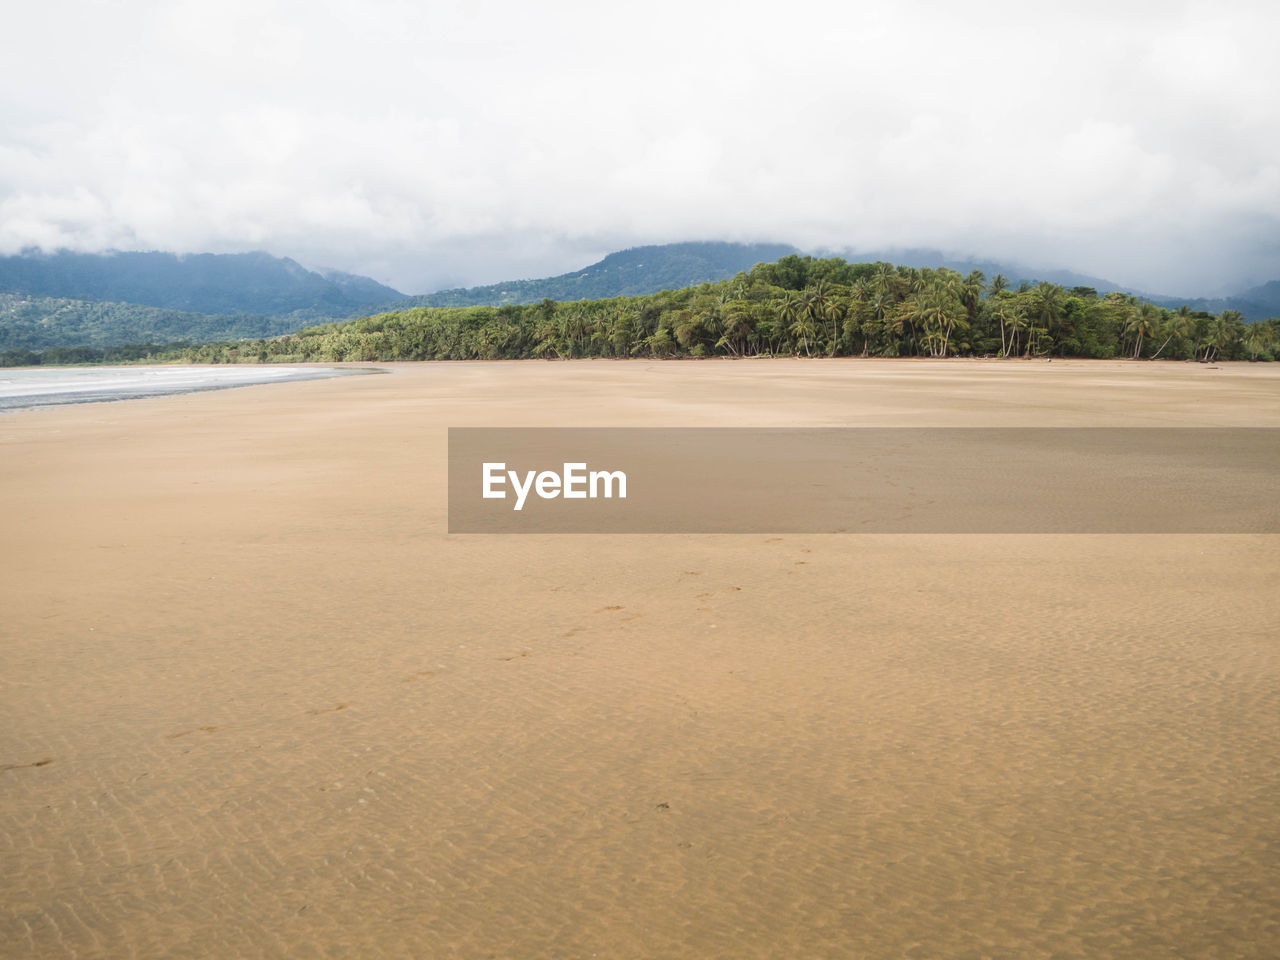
(259, 703)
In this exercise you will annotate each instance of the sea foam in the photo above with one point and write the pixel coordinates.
(27, 388)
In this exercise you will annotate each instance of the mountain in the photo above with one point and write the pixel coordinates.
(205, 283)
(627, 273)
(38, 323)
(102, 300)
(1014, 273)
(1256, 303)
(359, 289)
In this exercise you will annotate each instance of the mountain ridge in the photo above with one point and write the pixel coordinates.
(666, 266)
(64, 299)
(207, 283)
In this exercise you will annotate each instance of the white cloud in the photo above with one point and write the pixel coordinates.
(466, 142)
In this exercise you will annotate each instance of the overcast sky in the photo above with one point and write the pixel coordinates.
(436, 144)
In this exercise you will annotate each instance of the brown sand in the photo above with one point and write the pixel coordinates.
(258, 703)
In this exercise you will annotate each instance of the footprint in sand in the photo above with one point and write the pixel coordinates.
(183, 733)
(22, 766)
(607, 609)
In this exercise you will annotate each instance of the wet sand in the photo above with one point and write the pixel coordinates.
(257, 702)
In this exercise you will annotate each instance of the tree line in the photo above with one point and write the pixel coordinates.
(38, 323)
(797, 306)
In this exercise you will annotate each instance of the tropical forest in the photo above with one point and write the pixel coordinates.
(797, 306)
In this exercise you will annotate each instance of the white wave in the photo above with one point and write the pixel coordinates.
(25, 388)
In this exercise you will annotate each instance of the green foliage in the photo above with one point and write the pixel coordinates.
(37, 323)
(798, 306)
(219, 284)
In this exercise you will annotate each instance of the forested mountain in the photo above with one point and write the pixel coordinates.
(1014, 272)
(219, 284)
(37, 323)
(798, 306)
(627, 273)
(259, 296)
(1256, 303)
(100, 300)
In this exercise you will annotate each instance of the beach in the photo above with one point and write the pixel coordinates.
(29, 388)
(260, 703)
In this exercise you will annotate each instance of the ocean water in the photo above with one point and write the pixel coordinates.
(28, 388)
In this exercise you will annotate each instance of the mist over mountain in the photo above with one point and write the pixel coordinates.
(628, 273)
(1256, 303)
(643, 270)
(1015, 273)
(204, 283)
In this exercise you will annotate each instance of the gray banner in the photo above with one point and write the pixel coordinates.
(864, 480)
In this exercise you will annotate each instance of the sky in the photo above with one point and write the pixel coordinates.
(438, 144)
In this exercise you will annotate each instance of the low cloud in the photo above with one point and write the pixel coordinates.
(456, 144)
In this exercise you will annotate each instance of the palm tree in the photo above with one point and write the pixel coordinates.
(659, 343)
(821, 305)
(900, 324)
(971, 292)
(789, 308)
(574, 330)
(735, 326)
(1047, 308)
(1010, 314)
(550, 335)
(889, 281)
(769, 329)
(803, 328)
(1258, 338)
(618, 330)
(1179, 324)
(1232, 329)
(1143, 323)
(1219, 333)
(939, 311)
(688, 327)
(877, 307)
(1015, 317)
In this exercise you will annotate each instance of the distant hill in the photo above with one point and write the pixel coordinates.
(205, 283)
(1015, 273)
(37, 323)
(628, 273)
(1256, 303)
(103, 300)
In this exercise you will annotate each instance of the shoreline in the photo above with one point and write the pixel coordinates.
(109, 383)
